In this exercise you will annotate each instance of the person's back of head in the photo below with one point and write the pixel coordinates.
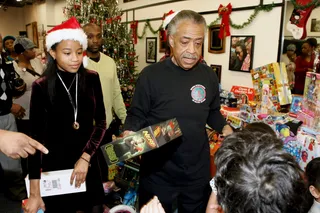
(312, 42)
(261, 128)
(313, 177)
(254, 174)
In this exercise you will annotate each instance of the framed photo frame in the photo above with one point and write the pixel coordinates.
(151, 49)
(215, 44)
(241, 53)
(32, 33)
(217, 69)
(315, 25)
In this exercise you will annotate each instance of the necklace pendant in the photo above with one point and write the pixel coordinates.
(76, 125)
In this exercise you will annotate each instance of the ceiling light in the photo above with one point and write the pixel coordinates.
(18, 0)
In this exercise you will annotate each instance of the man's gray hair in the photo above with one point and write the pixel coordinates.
(183, 15)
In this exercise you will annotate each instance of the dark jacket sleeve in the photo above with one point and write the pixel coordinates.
(99, 118)
(38, 125)
(140, 106)
(215, 119)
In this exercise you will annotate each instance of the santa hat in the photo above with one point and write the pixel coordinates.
(68, 30)
(168, 17)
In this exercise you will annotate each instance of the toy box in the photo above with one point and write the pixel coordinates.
(310, 146)
(275, 77)
(140, 142)
(296, 105)
(226, 111)
(311, 95)
(244, 94)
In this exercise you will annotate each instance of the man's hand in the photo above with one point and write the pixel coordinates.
(16, 145)
(18, 111)
(227, 130)
(153, 206)
(126, 133)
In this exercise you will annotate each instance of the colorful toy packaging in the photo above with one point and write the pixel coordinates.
(310, 146)
(140, 142)
(296, 105)
(311, 96)
(270, 84)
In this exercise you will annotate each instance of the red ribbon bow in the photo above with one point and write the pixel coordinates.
(134, 27)
(167, 14)
(224, 12)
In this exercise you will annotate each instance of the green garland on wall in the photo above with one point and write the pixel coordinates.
(265, 8)
(148, 25)
(316, 4)
(257, 10)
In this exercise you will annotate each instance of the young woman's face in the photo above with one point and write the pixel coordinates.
(8, 45)
(68, 55)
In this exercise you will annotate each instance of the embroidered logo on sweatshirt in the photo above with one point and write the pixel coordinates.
(198, 93)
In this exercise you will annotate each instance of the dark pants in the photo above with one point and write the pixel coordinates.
(190, 198)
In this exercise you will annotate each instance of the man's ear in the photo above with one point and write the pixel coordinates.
(53, 54)
(171, 41)
(315, 192)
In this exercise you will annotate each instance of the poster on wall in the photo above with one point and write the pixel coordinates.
(151, 49)
(241, 53)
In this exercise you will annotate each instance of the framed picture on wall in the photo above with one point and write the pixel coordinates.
(315, 25)
(215, 44)
(32, 33)
(241, 53)
(217, 69)
(151, 49)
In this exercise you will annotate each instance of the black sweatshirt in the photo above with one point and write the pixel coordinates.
(164, 91)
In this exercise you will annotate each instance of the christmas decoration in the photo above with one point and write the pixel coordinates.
(257, 10)
(118, 42)
(298, 20)
(224, 12)
(302, 5)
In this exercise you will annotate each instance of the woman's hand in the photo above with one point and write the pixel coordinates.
(80, 170)
(34, 203)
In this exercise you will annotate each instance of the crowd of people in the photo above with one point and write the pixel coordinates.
(67, 107)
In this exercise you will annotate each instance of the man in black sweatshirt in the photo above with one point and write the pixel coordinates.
(178, 87)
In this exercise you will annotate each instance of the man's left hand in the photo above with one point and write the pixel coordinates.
(227, 130)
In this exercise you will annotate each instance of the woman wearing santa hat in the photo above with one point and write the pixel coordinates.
(67, 114)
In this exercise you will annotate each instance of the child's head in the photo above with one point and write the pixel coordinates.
(255, 174)
(260, 127)
(313, 176)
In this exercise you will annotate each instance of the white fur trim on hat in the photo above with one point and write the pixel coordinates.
(168, 19)
(66, 34)
(85, 61)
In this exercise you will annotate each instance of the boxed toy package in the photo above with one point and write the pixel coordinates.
(140, 142)
(310, 145)
(311, 96)
(271, 88)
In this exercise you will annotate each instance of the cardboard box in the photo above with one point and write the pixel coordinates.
(140, 142)
(56, 183)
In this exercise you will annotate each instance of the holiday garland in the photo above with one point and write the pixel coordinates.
(315, 3)
(265, 8)
(148, 25)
